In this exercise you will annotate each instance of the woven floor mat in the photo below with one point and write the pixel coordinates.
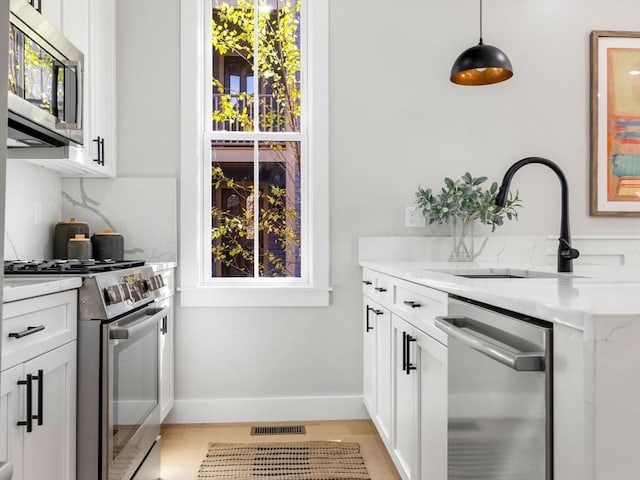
(284, 461)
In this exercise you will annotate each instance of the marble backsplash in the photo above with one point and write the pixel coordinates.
(143, 210)
(33, 206)
(519, 249)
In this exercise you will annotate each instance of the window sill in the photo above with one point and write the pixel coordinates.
(254, 297)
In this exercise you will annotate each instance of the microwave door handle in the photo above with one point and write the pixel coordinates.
(520, 361)
(123, 333)
(77, 125)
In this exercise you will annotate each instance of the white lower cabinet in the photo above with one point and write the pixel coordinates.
(405, 399)
(39, 381)
(166, 339)
(405, 374)
(166, 360)
(47, 451)
(377, 366)
(433, 407)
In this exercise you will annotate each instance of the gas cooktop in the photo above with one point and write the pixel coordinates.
(66, 267)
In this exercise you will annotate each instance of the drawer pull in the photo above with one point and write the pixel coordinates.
(367, 282)
(29, 397)
(380, 289)
(412, 304)
(28, 331)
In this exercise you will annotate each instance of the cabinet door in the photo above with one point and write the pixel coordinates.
(50, 448)
(12, 410)
(166, 360)
(102, 85)
(377, 365)
(383, 374)
(433, 407)
(370, 356)
(405, 406)
(50, 9)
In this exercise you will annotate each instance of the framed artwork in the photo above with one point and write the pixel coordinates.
(615, 123)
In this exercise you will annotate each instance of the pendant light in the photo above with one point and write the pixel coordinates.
(481, 64)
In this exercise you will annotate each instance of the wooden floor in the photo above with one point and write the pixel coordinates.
(184, 446)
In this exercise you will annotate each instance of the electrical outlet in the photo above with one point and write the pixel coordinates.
(413, 217)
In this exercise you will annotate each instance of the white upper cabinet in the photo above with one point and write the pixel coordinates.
(102, 84)
(90, 25)
(50, 9)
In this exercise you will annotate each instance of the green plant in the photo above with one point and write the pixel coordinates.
(464, 200)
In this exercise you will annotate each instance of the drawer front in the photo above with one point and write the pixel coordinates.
(377, 286)
(36, 325)
(420, 305)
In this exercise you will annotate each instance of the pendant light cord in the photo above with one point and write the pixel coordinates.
(480, 43)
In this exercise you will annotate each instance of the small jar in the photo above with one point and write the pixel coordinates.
(79, 248)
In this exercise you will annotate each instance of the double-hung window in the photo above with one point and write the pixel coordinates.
(254, 153)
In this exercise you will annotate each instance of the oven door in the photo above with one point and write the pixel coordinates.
(130, 391)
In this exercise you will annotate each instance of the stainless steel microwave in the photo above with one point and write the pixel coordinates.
(45, 82)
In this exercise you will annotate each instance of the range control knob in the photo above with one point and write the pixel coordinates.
(154, 283)
(113, 294)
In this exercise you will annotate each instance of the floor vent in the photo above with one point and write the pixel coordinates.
(279, 430)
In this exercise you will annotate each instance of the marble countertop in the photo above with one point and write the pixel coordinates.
(573, 299)
(21, 288)
(158, 266)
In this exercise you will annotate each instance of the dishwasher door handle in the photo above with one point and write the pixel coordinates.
(519, 361)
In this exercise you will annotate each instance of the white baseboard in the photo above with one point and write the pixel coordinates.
(230, 410)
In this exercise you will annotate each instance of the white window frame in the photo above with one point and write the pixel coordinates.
(195, 285)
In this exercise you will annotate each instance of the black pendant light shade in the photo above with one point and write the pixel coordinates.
(481, 64)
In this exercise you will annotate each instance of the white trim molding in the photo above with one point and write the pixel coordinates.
(194, 282)
(227, 410)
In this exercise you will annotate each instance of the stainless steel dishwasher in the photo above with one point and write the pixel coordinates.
(500, 412)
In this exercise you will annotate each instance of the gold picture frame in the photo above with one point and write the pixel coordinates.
(615, 123)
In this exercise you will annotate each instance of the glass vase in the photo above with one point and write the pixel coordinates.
(462, 241)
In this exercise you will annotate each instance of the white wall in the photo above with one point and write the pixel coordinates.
(396, 122)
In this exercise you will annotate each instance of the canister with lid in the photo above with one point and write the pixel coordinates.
(108, 245)
(64, 230)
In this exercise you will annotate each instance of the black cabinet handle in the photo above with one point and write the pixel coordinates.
(28, 331)
(404, 351)
(380, 289)
(412, 304)
(40, 379)
(37, 6)
(29, 421)
(409, 366)
(100, 148)
(164, 326)
(376, 311)
(368, 327)
(367, 282)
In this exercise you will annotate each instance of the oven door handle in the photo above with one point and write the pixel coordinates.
(519, 361)
(152, 315)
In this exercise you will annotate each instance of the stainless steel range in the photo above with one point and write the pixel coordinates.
(118, 425)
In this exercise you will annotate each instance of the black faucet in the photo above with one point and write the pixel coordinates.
(566, 253)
